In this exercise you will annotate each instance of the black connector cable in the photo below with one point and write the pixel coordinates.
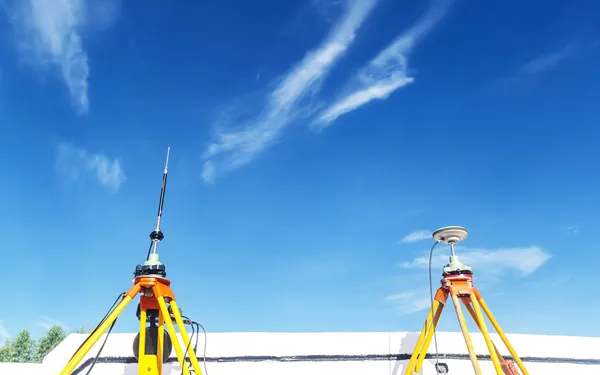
(437, 356)
(204, 354)
(196, 332)
(121, 296)
(149, 250)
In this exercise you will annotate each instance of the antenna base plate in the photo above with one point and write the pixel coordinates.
(450, 235)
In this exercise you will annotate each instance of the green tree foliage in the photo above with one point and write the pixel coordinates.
(24, 349)
(53, 337)
(6, 351)
(83, 330)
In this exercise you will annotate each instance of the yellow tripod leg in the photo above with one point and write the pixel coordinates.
(147, 363)
(419, 345)
(94, 337)
(160, 347)
(465, 332)
(474, 316)
(438, 312)
(511, 350)
(173, 334)
(142, 342)
(186, 339)
(486, 336)
(142, 346)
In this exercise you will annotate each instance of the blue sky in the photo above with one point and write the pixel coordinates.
(313, 143)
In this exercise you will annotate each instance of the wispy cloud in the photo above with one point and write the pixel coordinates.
(410, 301)
(388, 71)
(4, 334)
(491, 266)
(522, 260)
(415, 236)
(327, 9)
(571, 229)
(47, 323)
(547, 61)
(536, 67)
(235, 148)
(72, 163)
(50, 33)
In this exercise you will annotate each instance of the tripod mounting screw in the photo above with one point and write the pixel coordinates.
(157, 235)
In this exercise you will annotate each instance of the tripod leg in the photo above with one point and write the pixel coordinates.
(418, 350)
(186, 338)
(160, 347)
(142, 345)
(490, 316)
(436, 318)
(465, 332)
(474, 316)
(95, 336)
(171, 329)
(486, 336)
(147, 363)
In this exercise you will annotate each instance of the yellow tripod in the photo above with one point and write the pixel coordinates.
(156, 294)
(457, 282)
(149, 280)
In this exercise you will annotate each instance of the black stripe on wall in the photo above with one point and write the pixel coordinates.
(340, 358)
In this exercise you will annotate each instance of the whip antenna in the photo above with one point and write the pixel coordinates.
(156, 236)
(162, 191)
(158, 313)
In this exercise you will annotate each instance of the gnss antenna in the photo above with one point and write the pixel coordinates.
(152, 266)
(451, 236)
(457, 285)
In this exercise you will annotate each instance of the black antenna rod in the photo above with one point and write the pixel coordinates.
(156, 236)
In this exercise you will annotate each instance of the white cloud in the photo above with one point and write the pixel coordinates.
(51, 33)
(522, 260)
(238, 147)
(417, 235)
(547, 61)
(373, 89)
(571, 229)
(73, 162)
(4, 334)
(208, 172)
(410, 301)
(47, 323)
(538, 66)
(385, 73)
(490, 266)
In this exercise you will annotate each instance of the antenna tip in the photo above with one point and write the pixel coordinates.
(167, 162)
